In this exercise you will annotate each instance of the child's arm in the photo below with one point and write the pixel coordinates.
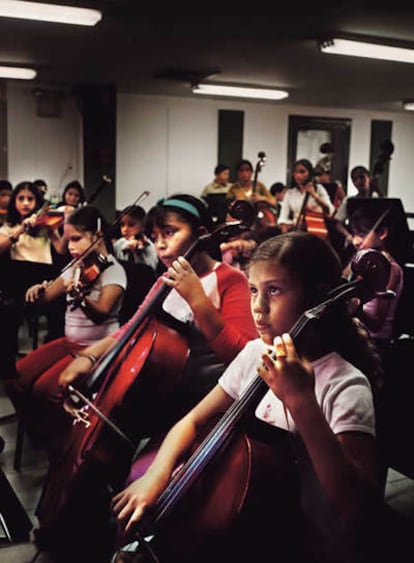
(129, 505)
(45, 292)
(99, 310)
(345, 464)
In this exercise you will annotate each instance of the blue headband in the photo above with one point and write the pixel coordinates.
(189, 207)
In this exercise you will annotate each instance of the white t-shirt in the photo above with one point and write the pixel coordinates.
(79, 327)
(292, 204)
(30, 248)
(342, 391)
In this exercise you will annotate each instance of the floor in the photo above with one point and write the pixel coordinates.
(26, 485)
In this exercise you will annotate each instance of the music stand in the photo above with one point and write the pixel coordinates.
(217, 205)
(393, 218)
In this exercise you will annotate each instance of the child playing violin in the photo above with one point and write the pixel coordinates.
(94, 285)
(319, 399)
(133, 245)
(30, 250)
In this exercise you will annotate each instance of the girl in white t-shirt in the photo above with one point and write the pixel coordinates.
(94, 286)
(319, 404)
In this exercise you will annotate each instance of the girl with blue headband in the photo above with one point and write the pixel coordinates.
(208, 303)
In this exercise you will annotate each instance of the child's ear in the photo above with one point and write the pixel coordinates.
(383, 233)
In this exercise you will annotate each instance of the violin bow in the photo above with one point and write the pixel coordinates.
(105, 181)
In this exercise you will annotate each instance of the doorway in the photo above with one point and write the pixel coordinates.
(307, 134)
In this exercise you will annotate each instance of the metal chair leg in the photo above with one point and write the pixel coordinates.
(18, 452)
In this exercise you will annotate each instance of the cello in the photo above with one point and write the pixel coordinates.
(201, 510)
(114, 400)
(266, 214)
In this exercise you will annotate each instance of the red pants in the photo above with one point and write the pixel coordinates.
(33, 391)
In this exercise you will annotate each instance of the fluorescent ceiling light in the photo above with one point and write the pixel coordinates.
(239, 92)
(369, 50)
(17, 72)
(408, 105)
(48, 12)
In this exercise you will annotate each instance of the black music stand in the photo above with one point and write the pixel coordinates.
(394, 218)
(14, 520)
(217, 205)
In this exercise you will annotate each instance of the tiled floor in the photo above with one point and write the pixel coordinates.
(27, 484)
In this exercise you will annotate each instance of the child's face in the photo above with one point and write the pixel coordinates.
(131, 227)
(223, 177)
(173, 239)
(244, 173)
(5, 196)
(362, 238)
(25, 203)
(276, 299)
(72, 197)
(78, 241)
(301, 174)
(361, 181)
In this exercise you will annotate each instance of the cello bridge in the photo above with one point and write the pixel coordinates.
(81, 416)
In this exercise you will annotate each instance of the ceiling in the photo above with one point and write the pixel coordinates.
(157, 49)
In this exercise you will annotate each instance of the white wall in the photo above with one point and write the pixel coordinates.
(43, 147)
(170, 144)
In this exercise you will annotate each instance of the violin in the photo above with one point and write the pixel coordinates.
(47, 217)
(85, 276)
(208, 491)
(112, 403)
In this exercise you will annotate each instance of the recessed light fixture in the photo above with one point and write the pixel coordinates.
(239, 92)
(408, 105)
(356, 48)
(17, 72)
(49, 12)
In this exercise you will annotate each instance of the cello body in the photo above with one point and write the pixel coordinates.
(218, 502)
(139, 380)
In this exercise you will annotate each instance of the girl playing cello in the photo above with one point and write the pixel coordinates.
(209, 301)
(303, 195)
(208, 297)
(319, 396)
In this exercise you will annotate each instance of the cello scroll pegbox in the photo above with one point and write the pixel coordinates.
(373, 268)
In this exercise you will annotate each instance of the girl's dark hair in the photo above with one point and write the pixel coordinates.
(89, 219)
(135, 211)
(12, 213)
(244, 162)
(306, 163)
(77, 186)
(190, 209)
(313, 262)
(359, 171)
